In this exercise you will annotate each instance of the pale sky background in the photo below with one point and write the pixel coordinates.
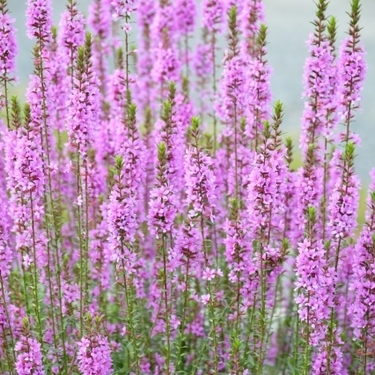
(289, 25)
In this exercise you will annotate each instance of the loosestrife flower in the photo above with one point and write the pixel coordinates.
(6, 254)
(145, 13)
(188, 245)
(167, 65)
(146, 92)
(29, 355)
(362, 283)
(100, 18)
(186, 15)
(162, 200)
(205, 299)
(8, 45)
(170, 129)
(320, 73)
(100, 21)
(237, 248)
(72, 33)
(25, 182)
(352, 70)
(202, 56)
(82, 106)
(200, 202)
(213, 14)
(251, 16)
(94, 356)
(266, 188)
(314, 287)
(39, 19)
(319, 117)
(57, 90)
(233, 83)
(258, 88)
(343, 208)
(265, 211)
(100, 257)
(123, 8)
(209, 250)
(114, 135)
(344, 203)
(124, 202)
(200, 183)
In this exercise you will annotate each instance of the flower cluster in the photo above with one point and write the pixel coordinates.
(39, 19)
(94, 356)
(8, 49)
(29, 357)
(153, 218)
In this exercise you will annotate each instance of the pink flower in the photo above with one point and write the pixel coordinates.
(94, 356)
(39, 19)
(29, 357)
(205, 299)
(8, 45)
(213, 14)
(208, 274)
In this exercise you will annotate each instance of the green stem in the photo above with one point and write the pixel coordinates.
(10, 363)
(81, 246)
(214, 88)
(262, 319)
(35, 277)
(6, 99)
(166, 305)
(184, 308)
(129, 305)
(50, 207)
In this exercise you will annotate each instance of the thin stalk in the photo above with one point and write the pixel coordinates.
(235, 148)
(332, 316)
(10, 364)
(6, 99)
(338, 247)
(251, 316)
(324, 201)
(184, 308)
(86, 223)
(365, 346)
(214, 89)
(35, 277)
(129, 305)
(24, 279)
(57, 262)
(272, 311)
(307, 359)
(166, 305)
(296, 344)
(50, 207)
(211, 305)
(263, 290)
(262, 311)
(81, 250)
(186, 40)
(6, 349)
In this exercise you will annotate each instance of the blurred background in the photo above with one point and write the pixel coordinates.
(289, 25)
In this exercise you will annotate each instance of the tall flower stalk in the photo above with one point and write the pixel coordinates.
(124, 221)
(162, 215)
(344, 203)
(8, 55)
(80, 122)
(138, 239)
(362, 284)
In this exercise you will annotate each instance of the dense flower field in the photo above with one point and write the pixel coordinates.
(152, 221)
